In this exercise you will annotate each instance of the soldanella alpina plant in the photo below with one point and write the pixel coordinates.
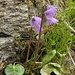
(37, 22)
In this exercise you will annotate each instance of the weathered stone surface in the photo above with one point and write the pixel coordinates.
(13, 21)
(13, 17)
(6, 48)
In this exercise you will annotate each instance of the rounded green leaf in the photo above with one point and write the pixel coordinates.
(19, 69)
(9, 69)
(51, 67)
(14, 69)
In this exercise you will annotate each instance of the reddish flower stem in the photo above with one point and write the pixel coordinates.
(25, 64)
(37, 46)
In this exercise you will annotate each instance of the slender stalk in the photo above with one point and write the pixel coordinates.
(70, 56)
(37, 47)
(69, 27)
(25, 64)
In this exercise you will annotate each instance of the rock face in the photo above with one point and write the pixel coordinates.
(13, 17)
(13, 21)
(6, 51)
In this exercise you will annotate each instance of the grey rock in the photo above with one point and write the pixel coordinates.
(6, 48)
(13, 17)
(13, 21)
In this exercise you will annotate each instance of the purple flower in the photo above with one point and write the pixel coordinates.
(35, 23)
(51, 21)
(51, 7)
(49, 14)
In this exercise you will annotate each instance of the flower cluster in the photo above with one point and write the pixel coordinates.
(35, 22)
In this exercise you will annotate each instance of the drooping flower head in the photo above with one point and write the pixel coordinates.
(35, 23)
(49, 14)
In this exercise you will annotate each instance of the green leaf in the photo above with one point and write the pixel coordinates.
(48, 57)
(51, 67)
(14, 69)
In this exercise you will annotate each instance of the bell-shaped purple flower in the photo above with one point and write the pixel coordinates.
(35, 23)
(49, 14)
